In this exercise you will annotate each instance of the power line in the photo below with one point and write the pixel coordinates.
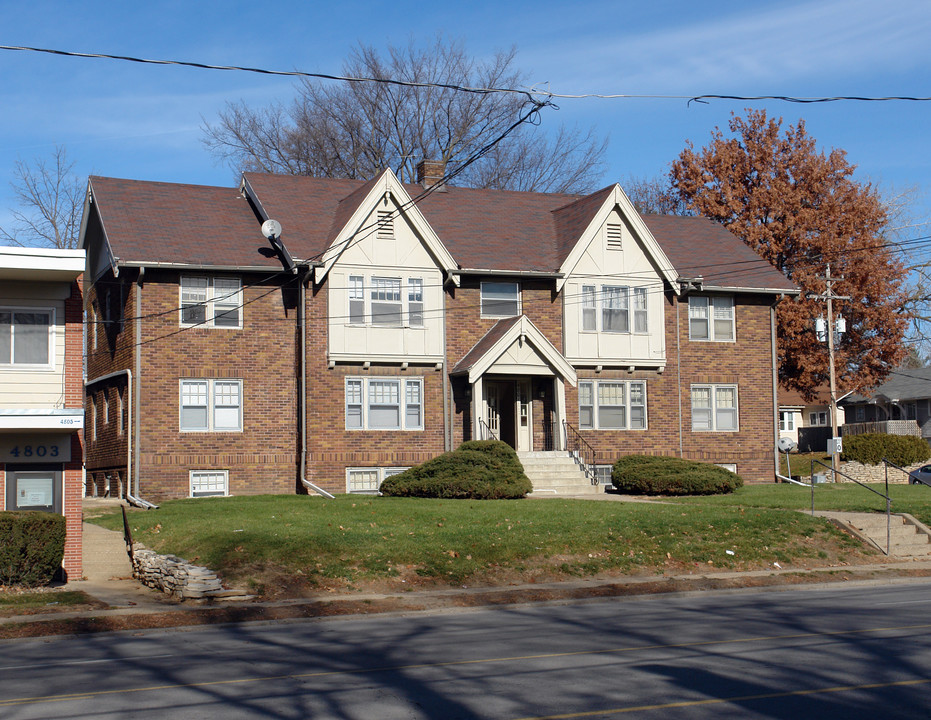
(531, 93)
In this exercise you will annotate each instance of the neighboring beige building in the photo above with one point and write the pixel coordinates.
(807, 422)
(41, 387)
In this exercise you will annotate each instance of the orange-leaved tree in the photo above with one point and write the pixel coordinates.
(801, 209)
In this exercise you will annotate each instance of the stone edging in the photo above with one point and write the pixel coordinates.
(177, 577)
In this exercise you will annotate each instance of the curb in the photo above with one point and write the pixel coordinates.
(163, 615)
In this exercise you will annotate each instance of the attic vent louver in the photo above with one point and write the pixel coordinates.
(385, 225)
(614, 237)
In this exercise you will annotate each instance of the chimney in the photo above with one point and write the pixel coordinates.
(430, 173)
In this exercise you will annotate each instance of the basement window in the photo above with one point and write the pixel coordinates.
(209, 483)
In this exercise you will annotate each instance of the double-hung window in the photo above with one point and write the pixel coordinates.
(500, 299)
(386, 301)
(211, 301)
(614, 309)
(211, 405)
(817, 418)
(612, 405)
(614, 306)
(714, 408)
(711, 318)
(379, 403)
(25, 337)
(786, 421)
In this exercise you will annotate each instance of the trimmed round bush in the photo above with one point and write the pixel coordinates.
(872, 448)
(658, 475)
(476, 470)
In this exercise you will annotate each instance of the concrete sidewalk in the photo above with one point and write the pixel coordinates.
(108, 573)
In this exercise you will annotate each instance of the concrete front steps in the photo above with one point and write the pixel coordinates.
(556, 473)
(907, 536)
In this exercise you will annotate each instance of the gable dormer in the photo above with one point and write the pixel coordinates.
(614, 277)
(385, 269)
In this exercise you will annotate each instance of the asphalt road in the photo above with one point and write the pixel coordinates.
(845, 651)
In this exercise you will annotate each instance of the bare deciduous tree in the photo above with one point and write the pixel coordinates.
(654, 196)
(356, 129)
(51, 200)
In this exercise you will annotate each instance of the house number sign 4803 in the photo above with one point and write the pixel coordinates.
(33, 449)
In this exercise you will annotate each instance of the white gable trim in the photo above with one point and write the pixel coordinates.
(524, 328)
(89, 200)
(386, 185)
(653, 250)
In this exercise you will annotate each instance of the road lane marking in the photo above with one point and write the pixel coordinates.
(10, 702)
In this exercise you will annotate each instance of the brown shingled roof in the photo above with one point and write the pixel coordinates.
(482, 229)
(697, 246)
(494, 334)
(187, 224)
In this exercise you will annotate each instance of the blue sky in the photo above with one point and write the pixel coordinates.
(142, 121)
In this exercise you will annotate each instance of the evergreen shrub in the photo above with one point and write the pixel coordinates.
(871, 448)
(476, 470)
(32, 545)
(658, 475)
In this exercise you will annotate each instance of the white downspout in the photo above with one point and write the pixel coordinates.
(302, 400)
(133, 499)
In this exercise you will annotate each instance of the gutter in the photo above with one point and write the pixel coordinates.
(198, 266)
(510, 273)
(133, 499)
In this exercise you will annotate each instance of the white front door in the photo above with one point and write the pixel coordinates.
(492, 410)
(524, 419)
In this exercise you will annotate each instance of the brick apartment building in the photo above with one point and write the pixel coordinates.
(42, 387)
(384, 323)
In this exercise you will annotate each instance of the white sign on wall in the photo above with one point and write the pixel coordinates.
(52, 448)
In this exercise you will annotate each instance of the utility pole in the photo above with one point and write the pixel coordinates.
(829, 297)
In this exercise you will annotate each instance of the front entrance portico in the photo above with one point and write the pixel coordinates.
(517, 381)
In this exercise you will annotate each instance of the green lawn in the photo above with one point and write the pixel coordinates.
(355, 540)
(801, 463)
(914, 499)
(41, 601)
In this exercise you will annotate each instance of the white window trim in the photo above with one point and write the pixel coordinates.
(786, 421)
(380, 473)
(365, 403)
(713, 389)
(596, 294)
(710, 318)
(819, 418)
(481, 300)
(407, 282)
(627, 405)
(32, 367)
(211, 405)
(224, 474)
(213, 297)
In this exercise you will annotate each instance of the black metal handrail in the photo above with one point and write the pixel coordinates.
(583, 453)
(486, 431)
(863, 485)
(916, 480)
